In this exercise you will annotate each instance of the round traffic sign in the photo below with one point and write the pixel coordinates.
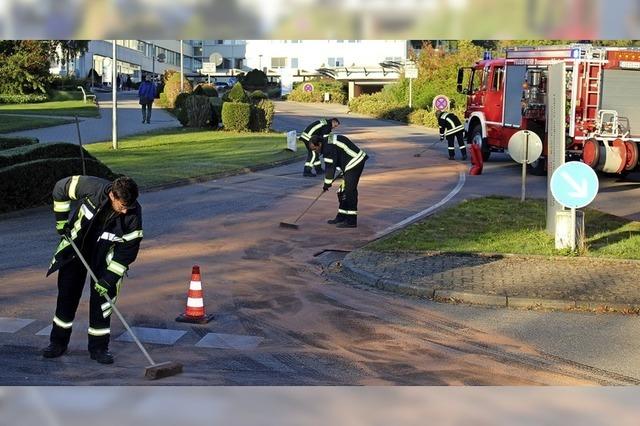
(308, 87)
(525, 145)
(441, 102)
(574, 184)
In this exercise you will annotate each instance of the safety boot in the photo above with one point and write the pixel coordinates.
(336, 220)
(103, 356)
(54, 350)
(318, 170)
(464, 157)
(348, 223)
(307, 172)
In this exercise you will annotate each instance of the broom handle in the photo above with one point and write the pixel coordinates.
(317, 198)
(113, 306)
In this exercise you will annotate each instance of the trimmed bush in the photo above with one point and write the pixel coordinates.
(16, 141)
(262, 116)
(163, 100)
(23, 154)
(237, 94)
(205, 89)
(30, 184)
(180, 99)
(257, 95)
(65, 95)
(6, 98)
(255, 79)
(236, 116)
(337, 89)
(172, 89)
(216, 112)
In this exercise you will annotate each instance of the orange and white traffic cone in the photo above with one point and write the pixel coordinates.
(195, 302)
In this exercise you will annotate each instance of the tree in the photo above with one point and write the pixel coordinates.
(70, 49)
(24, 66)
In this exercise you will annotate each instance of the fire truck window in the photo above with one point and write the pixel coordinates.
(478, 80)
(498, 77)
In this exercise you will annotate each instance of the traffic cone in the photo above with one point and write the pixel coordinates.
(476, 160)
(195, 303)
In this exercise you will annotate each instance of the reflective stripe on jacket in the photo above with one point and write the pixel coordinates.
(449, 124)
(340, 152)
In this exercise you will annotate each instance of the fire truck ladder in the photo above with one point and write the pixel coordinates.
(592, 81)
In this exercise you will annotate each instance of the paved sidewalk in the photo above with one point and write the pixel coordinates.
(99, 129)
(502, 280)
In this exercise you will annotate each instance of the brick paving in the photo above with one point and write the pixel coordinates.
(536, 280)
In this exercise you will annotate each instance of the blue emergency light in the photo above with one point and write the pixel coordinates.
(487, 55)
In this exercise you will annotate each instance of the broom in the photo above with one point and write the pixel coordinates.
(155, 370)
(293, 225)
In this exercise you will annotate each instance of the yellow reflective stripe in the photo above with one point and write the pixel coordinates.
(345, 148)
(60, 224)
(72, 187)
(349, 212)
(313, 157)
(63, 245)
(98, 331)
(116, 268)
(308, 164)
(61, 323)
(106, 313)
(328, 160)
(454, 130)
(61, 206)
(84, 209)
(328, 181)
(304, 136)
(133, 235)
(105, 306)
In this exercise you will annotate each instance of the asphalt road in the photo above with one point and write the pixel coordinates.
(274, 292)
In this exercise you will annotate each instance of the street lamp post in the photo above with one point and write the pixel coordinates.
(260, 67)
(114, 101)
(181, 68)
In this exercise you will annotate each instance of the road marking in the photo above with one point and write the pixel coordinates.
(229, 341)
(425, 212)
(12, 325)
(45, 331)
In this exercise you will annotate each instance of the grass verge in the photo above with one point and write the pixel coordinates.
(171, 156)
(16, 123)
(59, 108)
(505, 225)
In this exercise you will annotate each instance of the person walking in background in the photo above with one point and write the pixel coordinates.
(106, 225)
(147, 93)
(451, 128)
(322, 128)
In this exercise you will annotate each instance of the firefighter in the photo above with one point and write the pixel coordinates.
(106, 225)
(340, 152)
(451, 128)
(322, 128)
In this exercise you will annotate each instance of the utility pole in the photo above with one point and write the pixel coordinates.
(114, 101)
(181, 68)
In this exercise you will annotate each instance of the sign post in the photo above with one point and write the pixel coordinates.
(556, 136)
(410, 72)
(574, 185)
(524, 147)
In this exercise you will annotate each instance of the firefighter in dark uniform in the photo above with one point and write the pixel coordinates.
(451, 128)
(106, 225)
(340, 152)
(322, 128)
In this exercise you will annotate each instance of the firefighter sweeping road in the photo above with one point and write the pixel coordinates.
(283, 315)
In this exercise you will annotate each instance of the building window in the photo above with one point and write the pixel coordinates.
(279, 62)
(294, 62)
(331, 62)
(197, 51)
(335, 62)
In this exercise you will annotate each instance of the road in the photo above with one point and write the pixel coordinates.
(283, 315)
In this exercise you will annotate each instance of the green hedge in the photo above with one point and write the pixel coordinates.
(206, 89)
(30, 184)
(28, 153)
(236, 116)
(262, 116)
(6, 98)
(172, 90)
(7, 142)
(236, 94)
(216, 112)
(337, 89)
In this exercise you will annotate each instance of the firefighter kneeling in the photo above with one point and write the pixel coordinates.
(451, 128)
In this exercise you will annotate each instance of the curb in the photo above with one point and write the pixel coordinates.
(454, 296)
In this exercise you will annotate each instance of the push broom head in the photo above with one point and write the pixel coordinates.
(164, 369)
(288, 225)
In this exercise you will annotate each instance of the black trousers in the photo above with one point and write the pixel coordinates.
(461, 145)
(146, 111)
(348, 194)
(71, 279)
(313, 159)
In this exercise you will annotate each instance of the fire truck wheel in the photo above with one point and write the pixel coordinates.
(475, 137)
(538, 167)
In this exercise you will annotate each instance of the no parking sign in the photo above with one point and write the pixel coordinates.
(308, 87)
(441, 103)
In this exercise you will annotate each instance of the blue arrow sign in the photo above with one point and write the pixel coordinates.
(574, 184)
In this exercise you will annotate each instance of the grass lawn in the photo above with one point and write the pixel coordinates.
(63, 108)
(505, 225)
(177, 155)
(15, 123)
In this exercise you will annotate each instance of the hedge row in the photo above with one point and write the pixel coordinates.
(28, 153)
(30, 184)
(236, 116)
(7, 142)
(6, 98)
(336, 89)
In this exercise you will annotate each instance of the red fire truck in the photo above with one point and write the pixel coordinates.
(509, 94)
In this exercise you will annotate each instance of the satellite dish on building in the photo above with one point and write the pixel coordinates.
(216, 58)
(161, 57)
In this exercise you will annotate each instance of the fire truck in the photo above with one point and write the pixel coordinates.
(602, 87)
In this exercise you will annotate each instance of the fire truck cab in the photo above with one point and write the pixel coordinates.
(602, 88)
